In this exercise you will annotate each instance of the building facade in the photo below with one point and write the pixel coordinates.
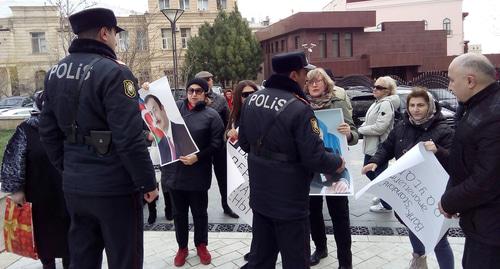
(341, 44)
(32, 40)
(436, 14)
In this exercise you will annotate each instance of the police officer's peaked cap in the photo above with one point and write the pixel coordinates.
(203, 83)
(203, 74)
(290, 61)
(93, 18)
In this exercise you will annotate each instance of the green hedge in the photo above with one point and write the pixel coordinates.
(5, 135)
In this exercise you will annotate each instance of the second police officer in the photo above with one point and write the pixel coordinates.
(92, 130)
(280, 132)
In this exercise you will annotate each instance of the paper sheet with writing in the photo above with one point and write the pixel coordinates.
(413, 186)
(238, 189)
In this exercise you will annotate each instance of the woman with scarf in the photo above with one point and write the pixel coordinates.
(321, 94)
(30, 177)
(422, 122)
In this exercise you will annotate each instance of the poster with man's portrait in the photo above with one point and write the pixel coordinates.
(166, 125)
(335, 142)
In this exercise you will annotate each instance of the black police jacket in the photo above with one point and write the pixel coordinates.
(108, 101)
(279, 187)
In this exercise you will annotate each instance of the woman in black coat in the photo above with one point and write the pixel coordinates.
(189, 179)
(423, 122)
(29, 176)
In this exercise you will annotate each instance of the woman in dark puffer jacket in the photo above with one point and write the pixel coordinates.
(423, 122)
(189, 179)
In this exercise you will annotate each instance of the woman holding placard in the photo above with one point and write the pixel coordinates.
(321, 94)
(422, 122)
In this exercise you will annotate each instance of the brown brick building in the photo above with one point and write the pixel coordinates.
(400, 48)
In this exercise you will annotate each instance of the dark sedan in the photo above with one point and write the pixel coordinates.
(361, 99)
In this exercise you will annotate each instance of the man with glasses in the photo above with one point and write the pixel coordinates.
(219, 103)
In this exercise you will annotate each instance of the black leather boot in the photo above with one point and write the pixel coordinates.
(318, 255)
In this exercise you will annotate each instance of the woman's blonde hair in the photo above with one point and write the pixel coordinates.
(389, 83)
(320, 72)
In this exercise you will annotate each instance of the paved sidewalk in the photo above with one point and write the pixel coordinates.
(227, 249)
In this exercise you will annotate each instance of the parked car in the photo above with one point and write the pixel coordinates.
(445, 98)
(16, 112)
(361, 99)
(178, 94)
(16, 101)
(403, 92)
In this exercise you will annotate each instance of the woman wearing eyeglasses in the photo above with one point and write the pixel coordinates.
(379, 121)
(241, 92)
(321, 94)
(188, 181)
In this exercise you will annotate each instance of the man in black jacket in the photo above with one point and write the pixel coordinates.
(280, 132)
(473, 191)
(91, 128)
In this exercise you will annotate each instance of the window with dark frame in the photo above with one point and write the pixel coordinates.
(141, 42)
(335, 45)
(297, 42)
(348, 44)
(166, 38)
(38, 42)
(282, 45)
(322, 45)
(185, 36)
(184, 4)
(447, 26)
(163, 4)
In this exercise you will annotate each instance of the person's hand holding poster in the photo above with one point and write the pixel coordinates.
(413, 186)
(335, 142)
(160, 113)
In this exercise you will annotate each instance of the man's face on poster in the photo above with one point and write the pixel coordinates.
(159, 113)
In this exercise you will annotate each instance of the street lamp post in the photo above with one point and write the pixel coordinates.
(173, 14)
(308, 47)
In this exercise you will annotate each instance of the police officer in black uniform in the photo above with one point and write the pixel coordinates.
(92, 130)
(280, 132)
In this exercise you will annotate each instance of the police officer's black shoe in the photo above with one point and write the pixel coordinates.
(168, 215)
(318, 255)
(152, 217)
(229, 212)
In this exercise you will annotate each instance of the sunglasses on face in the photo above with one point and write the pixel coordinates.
(190, 91)
(379, 88)
(246, 94)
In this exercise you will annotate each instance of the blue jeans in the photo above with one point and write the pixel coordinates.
(373, 174)
(443, 251)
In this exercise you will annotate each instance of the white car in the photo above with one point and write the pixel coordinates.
(17, 112)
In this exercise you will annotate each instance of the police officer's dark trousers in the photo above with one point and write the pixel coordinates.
(198, 202)
(338, 207)
(270, 236)
(219, 162)
(480, 255)
(114, 223)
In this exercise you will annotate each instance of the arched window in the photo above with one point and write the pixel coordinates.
(447, 26)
